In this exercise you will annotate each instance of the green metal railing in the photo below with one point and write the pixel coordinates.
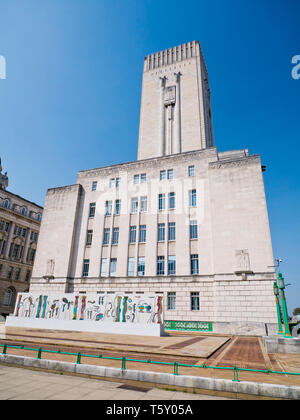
(123, 360)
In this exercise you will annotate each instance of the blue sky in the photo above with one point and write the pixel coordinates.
(72, 93)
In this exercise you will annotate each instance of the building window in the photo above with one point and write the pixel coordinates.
(194, 264)
(136, 179)
(130, 269)
(192, 198)
(195, 301)
(31, 254)
(6, 204)
(108, 208)
(2, 246)
(18, 272)
(143, 178)
(33, 236)
(118, 181)
(113, 266)
(115, 238)
(94, 185)
(134, 205)
(16, 251)
(10, 272)
(23, 211)
(161, 232)
(39, 217)
(4, 226)
(160, 266)
(89, 237)
(162, 175)
(141, 266)
(132, 235)
(161, 202)
(117, 207)
(193, 229)
(8, 297)
(170, 173)
(92, 210)
(142, 233)
(27, 277)
(172, 200)
(106, 236)
(171, 301)
(86, 266)
(103, 271)
(171, 265)
(112, 182)
(143, 205)
(172, 231)
(192, 170)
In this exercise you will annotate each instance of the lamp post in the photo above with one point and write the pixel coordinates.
(276, 294)
(281, 285)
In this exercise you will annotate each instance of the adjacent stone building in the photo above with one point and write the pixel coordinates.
(20, 222)
(183, 221)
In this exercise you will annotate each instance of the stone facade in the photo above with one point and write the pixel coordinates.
(183, 220)
(176, 112)
(20, 222)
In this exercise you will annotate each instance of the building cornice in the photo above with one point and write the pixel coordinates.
(180, 157)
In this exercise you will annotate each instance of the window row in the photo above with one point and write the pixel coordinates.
(4, 226)
(14, 273)
(142, 235)
(16, 251)
(194, 301)
(22, 210)
(164, 266)
(141, 204)
(142, 178)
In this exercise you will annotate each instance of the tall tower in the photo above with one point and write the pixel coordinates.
(175, 114)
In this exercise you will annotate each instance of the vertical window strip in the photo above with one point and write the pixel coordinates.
(160, 266)
(172, 231)
(142, 233)
(171, 265)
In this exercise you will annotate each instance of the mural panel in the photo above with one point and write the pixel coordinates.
(117, 307)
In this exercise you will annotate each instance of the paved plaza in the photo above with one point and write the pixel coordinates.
(193, 349)
(23, 384)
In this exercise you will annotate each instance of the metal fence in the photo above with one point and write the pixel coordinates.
(124, 359)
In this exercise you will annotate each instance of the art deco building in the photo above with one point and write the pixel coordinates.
(19, 228)
(183, 220)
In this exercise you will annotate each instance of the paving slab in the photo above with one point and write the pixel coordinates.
(198, 345)
(95, 389)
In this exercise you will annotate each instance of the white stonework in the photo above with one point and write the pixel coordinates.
(114, 313)
(175, 106)
(221, 274)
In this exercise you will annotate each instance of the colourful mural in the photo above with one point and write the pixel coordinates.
(112, 307)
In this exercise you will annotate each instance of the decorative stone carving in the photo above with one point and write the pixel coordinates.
(50, 269)
(170, 95)
(242, 261)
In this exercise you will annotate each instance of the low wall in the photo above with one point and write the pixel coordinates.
(156, 330)
(113, 313)
(282, 345)
(237, 389)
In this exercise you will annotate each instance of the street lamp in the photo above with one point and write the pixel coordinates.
(281, 285)
(276, 294)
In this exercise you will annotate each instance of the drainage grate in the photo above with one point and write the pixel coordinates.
(133, 388)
